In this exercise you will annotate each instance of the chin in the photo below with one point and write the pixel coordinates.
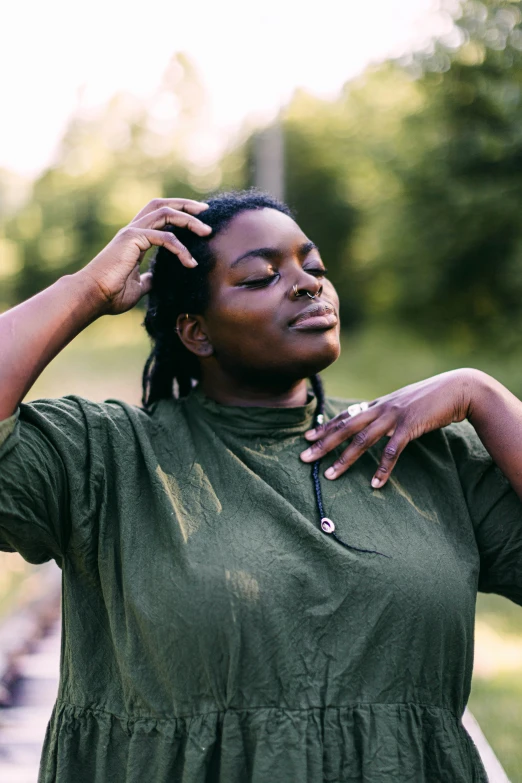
(317, 358)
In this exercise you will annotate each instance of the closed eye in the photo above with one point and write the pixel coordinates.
(264, 281)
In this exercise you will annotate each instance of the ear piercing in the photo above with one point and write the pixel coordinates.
(176, 328)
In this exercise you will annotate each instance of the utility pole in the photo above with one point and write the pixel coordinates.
(269, 164)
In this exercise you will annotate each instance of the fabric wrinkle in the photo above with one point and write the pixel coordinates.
(212, 633)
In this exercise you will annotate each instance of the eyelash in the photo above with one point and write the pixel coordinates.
(263, 282)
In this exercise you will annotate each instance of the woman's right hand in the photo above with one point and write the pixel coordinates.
(115, 271)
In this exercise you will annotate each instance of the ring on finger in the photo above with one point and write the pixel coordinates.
(358, 407)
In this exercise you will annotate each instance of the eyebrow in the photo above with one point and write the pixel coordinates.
(271, 253)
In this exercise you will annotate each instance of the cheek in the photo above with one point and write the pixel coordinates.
(330, 293)
(243, 315)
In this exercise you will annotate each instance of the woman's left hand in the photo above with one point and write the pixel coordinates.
(403, 415)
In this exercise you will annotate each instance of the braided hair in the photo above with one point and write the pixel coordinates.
(171, 369)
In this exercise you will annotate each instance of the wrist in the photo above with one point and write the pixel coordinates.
(85, 295)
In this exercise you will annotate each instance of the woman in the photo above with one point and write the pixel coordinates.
(225, 617)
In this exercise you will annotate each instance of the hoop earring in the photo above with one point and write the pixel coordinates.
(176, 328)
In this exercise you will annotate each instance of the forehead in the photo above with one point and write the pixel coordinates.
(254, 229)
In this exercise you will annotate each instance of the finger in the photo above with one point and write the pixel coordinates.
(361, 442)
(339, 429)
(144, 238)
(172, 217)
(322, 429)
(181, 204)
(145, 283)
(389, 459)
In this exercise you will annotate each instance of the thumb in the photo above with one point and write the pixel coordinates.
(145, 283)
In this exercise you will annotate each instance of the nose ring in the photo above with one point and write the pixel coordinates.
(297, 294)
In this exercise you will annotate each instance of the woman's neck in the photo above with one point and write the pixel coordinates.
(228, 391)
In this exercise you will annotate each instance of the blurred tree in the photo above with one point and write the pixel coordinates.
(110, 163)
(409, 181)
(453, 237)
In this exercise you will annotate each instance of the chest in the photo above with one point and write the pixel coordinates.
(229, 534)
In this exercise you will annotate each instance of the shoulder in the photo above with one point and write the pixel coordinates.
(462, 436)
(72, 417)
(73, 409)
(472, 460)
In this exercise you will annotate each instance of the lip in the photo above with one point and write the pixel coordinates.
(316, 315)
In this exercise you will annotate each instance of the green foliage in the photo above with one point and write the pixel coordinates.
(409, 181)
(108, 166)
(495, 703)
(461, 187)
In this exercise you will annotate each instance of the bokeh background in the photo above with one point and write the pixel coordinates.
(393, 127)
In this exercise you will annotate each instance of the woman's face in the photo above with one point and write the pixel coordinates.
(251, 318)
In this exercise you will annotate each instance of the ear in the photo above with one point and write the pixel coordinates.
(190, 329)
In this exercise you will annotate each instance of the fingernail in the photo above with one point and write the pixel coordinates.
(376, 482)
(306, 454)
(330, 472)
(194, 262)
(310, 434)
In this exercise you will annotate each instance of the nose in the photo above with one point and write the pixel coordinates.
(307, 285)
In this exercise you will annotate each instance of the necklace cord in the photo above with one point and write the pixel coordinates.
(319, 393)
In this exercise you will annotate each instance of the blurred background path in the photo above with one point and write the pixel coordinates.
(22, 726)
(29, 663)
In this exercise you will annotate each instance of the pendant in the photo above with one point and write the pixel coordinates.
(327, 526)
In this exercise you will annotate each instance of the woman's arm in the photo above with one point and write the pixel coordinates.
(496, 415)
(34, 332)
(421, 407)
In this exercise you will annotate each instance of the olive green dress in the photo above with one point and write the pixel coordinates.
(212, 633)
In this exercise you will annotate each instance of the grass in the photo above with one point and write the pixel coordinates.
(106, 361)
(496, 703)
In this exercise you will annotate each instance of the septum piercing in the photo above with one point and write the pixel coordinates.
(297, 294)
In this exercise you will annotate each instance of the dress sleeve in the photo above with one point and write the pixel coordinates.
(495, 510)
(49, 468)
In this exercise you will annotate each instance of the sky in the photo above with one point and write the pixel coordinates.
(251, 56)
